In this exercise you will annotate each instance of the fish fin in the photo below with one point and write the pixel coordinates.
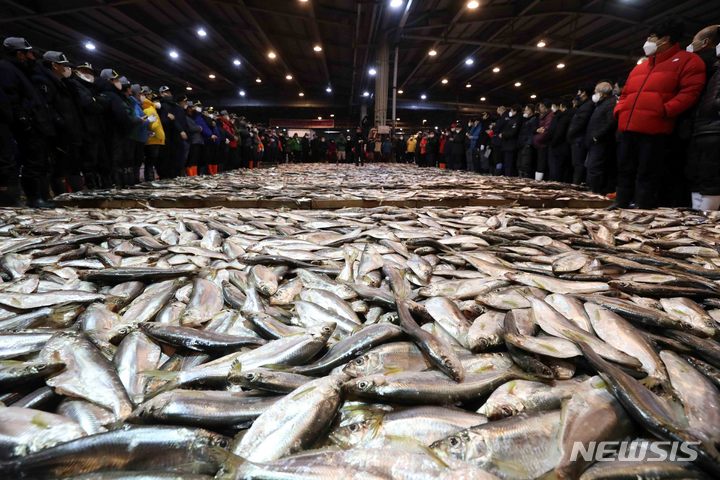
(235, 368)
(302, 393)
(230, 463)
(278, 367)
(424, 448)
(160, 374)
(551, 475)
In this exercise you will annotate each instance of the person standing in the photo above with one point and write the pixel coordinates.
(576, 132)
(431, 150)
(410, 149)
(541, 139)
(703, 168)
(600, 138)
(139, 134)
(341, 145)
(526, 153)
(657, 91)
(474, 129)
(559, 153)
(496, 141)
(458, 147)
(509, 141)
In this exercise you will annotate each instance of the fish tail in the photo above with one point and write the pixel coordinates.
(160, 374)
(231, 463)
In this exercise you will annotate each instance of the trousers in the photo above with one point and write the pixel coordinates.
(638, 175)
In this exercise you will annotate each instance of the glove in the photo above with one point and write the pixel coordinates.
(151, 118)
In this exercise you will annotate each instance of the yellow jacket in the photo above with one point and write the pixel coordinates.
(157, 134)
(411, 144)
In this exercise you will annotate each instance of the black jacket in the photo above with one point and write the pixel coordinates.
(92, 107)
(62, 104)
(527, 130)
(499, 125)
(560, 124)
(579, 121)
(120, 116)
(172, 127)
(602, 124)
(457, 143)
(28, 109)
(510, 133)
(707, 115)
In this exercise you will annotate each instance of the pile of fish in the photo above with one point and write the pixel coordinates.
(301, 184)
(386, 343)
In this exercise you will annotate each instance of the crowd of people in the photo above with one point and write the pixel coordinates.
(626, 139)
(67, 127)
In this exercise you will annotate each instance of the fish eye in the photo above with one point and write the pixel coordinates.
(41, 366)
(353, 427)
(250, 376)
(362, 384)
(360, 361)
(454, 441)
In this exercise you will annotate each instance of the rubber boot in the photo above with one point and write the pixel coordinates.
(136, 175)
(149, 173)
(60, 186)
(539, 176)
(77, 182)
(118, 178)
(37, 191)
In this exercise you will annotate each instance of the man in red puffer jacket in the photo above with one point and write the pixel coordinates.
(659, 89)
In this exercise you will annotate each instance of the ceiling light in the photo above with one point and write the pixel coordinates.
(469, 61)
(444, 81)
(317, 48)
(301, 94)
(541, 44)
(366, 94)
(473, 4)
(560, 66)
(518, 84)
(372, 72)
(242, 93)
(482, 99)
(173, 54)
(436, 127)
(424, 121)
(396, 3)
(288, 77)
(423, 97)
(432, 52)
(397, 119)
(332, 115)
(533, 96)
(400, 92)
(211, 76)
(89, 46)
(496, 69)
(258, 80)
(468, 85)
(328, 89)
(236, 62)
(188, 88)
(272, 55)
(201, 32)
(319, 118)
(303, 1)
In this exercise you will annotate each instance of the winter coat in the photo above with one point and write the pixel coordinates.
(457, 143)
(475, 135)
(61, 101)
(157, 134)
(431, 148)
(497, 129)
(228, 131)
(387, 147)
(120, 118)
(91, 106)
(601, 126)
(527, 131)
(543, 139)
(411, 145)
(194, 131)
(559, 128)
(294, 145)
(173, 127)
(579, 120)
(510, 132)
(423, 146)
(29, 109)
(141, 132)
(703, 164)
(658, 90)
(707, 114)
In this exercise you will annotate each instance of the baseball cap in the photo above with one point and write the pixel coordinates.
(124, 81)
(16, 43)
(109, 74)
(85, 66)
(164, 88)
(135, 89)
(145, 90)
(55, 57)
(223, 112)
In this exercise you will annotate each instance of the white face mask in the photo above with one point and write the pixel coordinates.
(67, 71)
(596, 97)
(117, 84)
(198, 109)
(88, 78)
(526, 115)
(690, 48)
(554, 108)
(157, 105)
(511, 114)
(650, 48)
(142, 98)
(717, 50)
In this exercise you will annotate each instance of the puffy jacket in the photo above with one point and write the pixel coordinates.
(194, 131)
(228, 131)
(294, 145)
(340, 142)
(579, 120)
(475, 135)
(543, 139)
(140, 133)
(510, 133)
(411, 144)
(658, 90)
(29, 109)
(458, 143)
(707, 114)
(157, 133)
(431, 148)
(527, 131)
(602, 122)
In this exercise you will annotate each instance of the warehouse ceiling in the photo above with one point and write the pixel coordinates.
(183, 42)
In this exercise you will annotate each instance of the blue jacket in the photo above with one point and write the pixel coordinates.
(141, 132)
(475, 135)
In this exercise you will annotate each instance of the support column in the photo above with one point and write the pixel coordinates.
(381, 84)
(394, 91)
